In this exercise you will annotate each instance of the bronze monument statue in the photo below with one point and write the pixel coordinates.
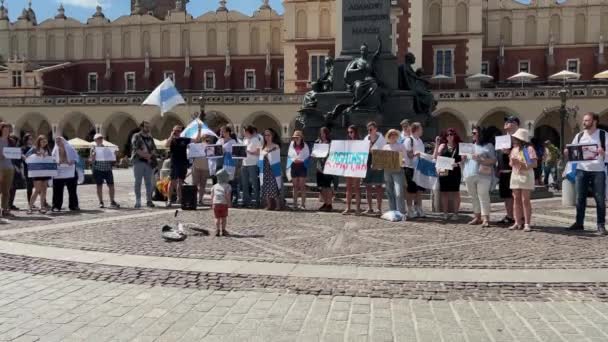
(322, 85)
(361, 79)
(424, 102)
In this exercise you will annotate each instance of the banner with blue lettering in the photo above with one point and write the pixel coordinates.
(41, 166)
(347, 158)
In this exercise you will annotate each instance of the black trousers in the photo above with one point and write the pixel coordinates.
(58, 186)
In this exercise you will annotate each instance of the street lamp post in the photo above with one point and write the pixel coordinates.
(563, 115)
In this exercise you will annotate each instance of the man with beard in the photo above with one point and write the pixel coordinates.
(591, 174)
(144, 163)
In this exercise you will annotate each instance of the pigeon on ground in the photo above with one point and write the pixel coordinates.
(170, 234)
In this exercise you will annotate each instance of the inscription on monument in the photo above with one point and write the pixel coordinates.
(363, 21)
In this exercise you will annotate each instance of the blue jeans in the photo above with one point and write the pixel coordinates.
(143, 171)
(250, 177)
(394, 190)
(550, 170)
(596, 181)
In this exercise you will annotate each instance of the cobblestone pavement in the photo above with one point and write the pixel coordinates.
(50, 308)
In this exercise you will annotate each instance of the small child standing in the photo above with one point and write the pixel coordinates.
(221, 198)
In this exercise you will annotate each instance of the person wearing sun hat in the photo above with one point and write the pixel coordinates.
(511, 125)
(523, 160)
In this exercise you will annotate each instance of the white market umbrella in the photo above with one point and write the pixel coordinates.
(165, 97)
(79, 144)
(602, 75)
(440, 77)
(565, 75)
(522, 77)
(480, 78)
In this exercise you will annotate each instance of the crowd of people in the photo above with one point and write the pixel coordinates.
(256, 180)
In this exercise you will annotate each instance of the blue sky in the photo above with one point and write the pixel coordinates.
(83, 9)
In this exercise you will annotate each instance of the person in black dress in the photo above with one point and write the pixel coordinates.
(446, 145)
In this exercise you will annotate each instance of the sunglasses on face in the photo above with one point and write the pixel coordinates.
(475, 133)
(450, 134)
(351, 132)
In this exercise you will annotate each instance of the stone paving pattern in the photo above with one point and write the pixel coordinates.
(50, 308)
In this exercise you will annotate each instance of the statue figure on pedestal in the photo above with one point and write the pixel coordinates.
(323, 84)
(361, 79)
(424, 101)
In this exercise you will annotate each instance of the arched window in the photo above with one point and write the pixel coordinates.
(185, 42)
(276, 41)
(126, 45)
(254, 41)
(88, 46)
(301, 24)
(555, 28)
(32, 48)
(232, 41)
(145, 43)
(580, 28)
(325, 23)
(211, 43)
(531, 30)
(69, 47)
(434, 18)
(165, 43)
(50, 47)
(107, 44)
(506, 30)
(462, 17)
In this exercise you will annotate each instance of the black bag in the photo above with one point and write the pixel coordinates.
(189, 195)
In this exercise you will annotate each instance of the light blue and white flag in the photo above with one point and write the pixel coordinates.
(293, 155)
(165, 96)
(274, 158)
(191, 131)
(229, 162)
(425, 174)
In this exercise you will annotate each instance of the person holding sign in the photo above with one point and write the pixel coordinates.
(395, 179)
(179, 160)
(102, 170)
(227, 139)
(324, 180)
(200, 169)
(269, 165)
(591, 174)
(40, 149)
(414, 146)
(66, 157)
(478, 172)
(504, 171)
(449, 179)
(353, 184)
(522, 160)
(374, 178)
(250, 179)
(7, 171)
(298, 159)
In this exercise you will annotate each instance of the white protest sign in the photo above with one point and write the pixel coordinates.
(65, 171)
(41, 166)
(466, 149)
(445, 163)
(105, 154)
(320, 150)
(239, 151)
(347, 158)
(196, 151)
(12, 153)
(214, 151)
(503, 142)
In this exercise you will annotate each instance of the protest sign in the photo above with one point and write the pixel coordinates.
(105, 154)
(347, 158)
(214, 151)
(583, 152)
(239, 151)
(65, 171)
(466, 149)
(12, 153)
(503, 142)
(320, 150)
(386, 160)
(196, 151)
(445, 163)
(41, 166)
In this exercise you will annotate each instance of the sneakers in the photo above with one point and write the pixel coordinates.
(601, 230)
(527, 228)
(446, 216)
(576, 226)
(114, 205)
(150, 204)
(101, 205)
(420, 213)
(137, 206)
(454, 217)
(411, 213)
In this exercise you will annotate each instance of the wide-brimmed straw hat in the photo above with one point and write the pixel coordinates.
(392, 132)
(522, 134)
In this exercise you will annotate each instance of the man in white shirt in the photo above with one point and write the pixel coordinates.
(249, 172)
(414, 147)
(591, 174)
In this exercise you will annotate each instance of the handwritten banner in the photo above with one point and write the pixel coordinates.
(12, 152)
(347, 158)
(386, 160)
(65, 171)
(503, 142)
(466, 149)
(41, 166)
